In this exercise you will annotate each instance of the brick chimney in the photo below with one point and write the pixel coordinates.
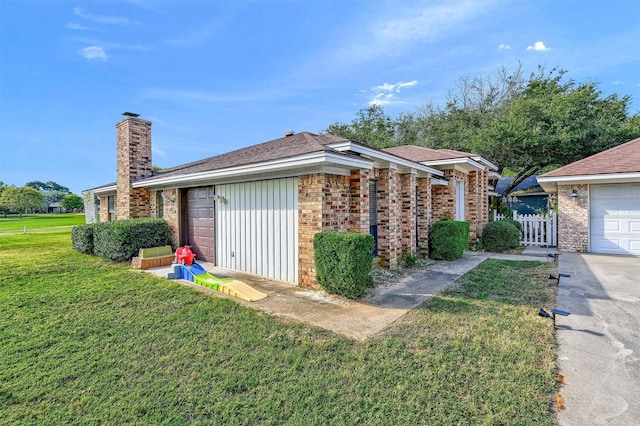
(133, 150)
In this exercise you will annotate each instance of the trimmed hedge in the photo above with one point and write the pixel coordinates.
(121, 240)
(343, 262)
(500, 236)
(82, 238)
(448, 239)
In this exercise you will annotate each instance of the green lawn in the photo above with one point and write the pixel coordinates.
(39, 222)
(83, 341)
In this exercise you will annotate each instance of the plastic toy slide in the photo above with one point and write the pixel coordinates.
(235, 288)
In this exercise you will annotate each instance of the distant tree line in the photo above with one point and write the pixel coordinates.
(525, 125)
(37, 196)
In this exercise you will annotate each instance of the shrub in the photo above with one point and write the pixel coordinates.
(121, 240)
(514, 223)
(82, 238)
(410, 260)
(500, 236)
(448, 239)
(343, 262)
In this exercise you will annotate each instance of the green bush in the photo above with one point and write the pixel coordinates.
(121, 240)
(343, 262)
(82, 238)
(514, 223)
(500, 236)
(448, 239)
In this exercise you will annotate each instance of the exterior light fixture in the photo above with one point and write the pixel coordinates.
(220, 198)
(574, 194)
(167, 198)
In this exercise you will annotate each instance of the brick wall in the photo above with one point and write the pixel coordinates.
(359, 201)
(133, 150)
(389, 217)
(424, 214)
(408, 183)
(104, 208)
(477, 204)
(573, 218)
(170, 208)
(323, 205)
(444, 197)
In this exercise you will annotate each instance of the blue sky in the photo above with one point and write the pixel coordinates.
(214, 76)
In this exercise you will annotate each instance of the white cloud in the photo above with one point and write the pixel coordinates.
(385, 94)
(74, 26)
(94, 52)
(101, 19)
(538, 46)
(503, 46)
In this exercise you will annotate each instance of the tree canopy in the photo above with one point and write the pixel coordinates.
(52, 191)
(72, 202)
(525, 126)
(21, 199)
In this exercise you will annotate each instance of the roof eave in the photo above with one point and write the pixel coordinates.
(318, 158)
(550, 183)
(463, 164)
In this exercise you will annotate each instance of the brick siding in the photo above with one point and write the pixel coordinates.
(573, 218)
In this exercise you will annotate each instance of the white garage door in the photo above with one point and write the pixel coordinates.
(615, 219)
(257, 228)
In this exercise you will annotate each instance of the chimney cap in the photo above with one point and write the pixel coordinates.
(289, 133)
(130, 114)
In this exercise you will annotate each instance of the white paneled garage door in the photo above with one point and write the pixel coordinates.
(615, 218)
(257, 228)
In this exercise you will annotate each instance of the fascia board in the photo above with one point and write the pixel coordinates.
(311, 159)
(105, 190)
(384, 156)
(486, 162)
(467, 164)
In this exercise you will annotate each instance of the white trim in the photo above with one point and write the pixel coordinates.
(486, 162)
(105, 190)
(311, 159)
(384, 156)
(443, 182)
(550, 183)
(466, 164)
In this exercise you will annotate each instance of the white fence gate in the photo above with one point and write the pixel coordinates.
(537, 230)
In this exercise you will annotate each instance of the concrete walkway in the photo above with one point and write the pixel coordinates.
(599, 343)
(356, 319)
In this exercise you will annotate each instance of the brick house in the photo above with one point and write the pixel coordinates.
(599, 201)
(257, 209)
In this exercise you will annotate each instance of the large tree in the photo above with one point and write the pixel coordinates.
(372, 126)
(553, 122)
(52, 191)
(72, 202)
(22, 199)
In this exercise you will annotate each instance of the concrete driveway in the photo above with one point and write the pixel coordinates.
(599, 343)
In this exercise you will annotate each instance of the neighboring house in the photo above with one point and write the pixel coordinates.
(530, 195)
(56, 208)
(599, 201)
(258, 208)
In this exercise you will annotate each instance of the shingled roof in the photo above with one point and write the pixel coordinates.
(285, 147)
(623, 158)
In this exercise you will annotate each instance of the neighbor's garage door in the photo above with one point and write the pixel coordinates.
(257, 228)
(615, 219)
(200, 222)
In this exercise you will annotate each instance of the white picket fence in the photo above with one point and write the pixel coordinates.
(537, 230)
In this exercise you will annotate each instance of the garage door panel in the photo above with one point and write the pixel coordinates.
(615, 218)
(200, 222)
(257, 228)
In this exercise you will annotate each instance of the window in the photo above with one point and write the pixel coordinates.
(112, 207)
(373, 213)
(460, 200)
(159, 204)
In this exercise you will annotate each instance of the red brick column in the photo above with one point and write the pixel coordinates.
(423, 211)
(359, 202)
(408, 190)
(389, 217)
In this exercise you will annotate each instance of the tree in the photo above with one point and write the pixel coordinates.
(371, 127)
(52, 191)
(554, 122)
(21, 199)
(72, 202)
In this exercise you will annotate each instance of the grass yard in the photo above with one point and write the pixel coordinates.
(39, 222)
(83, 341)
